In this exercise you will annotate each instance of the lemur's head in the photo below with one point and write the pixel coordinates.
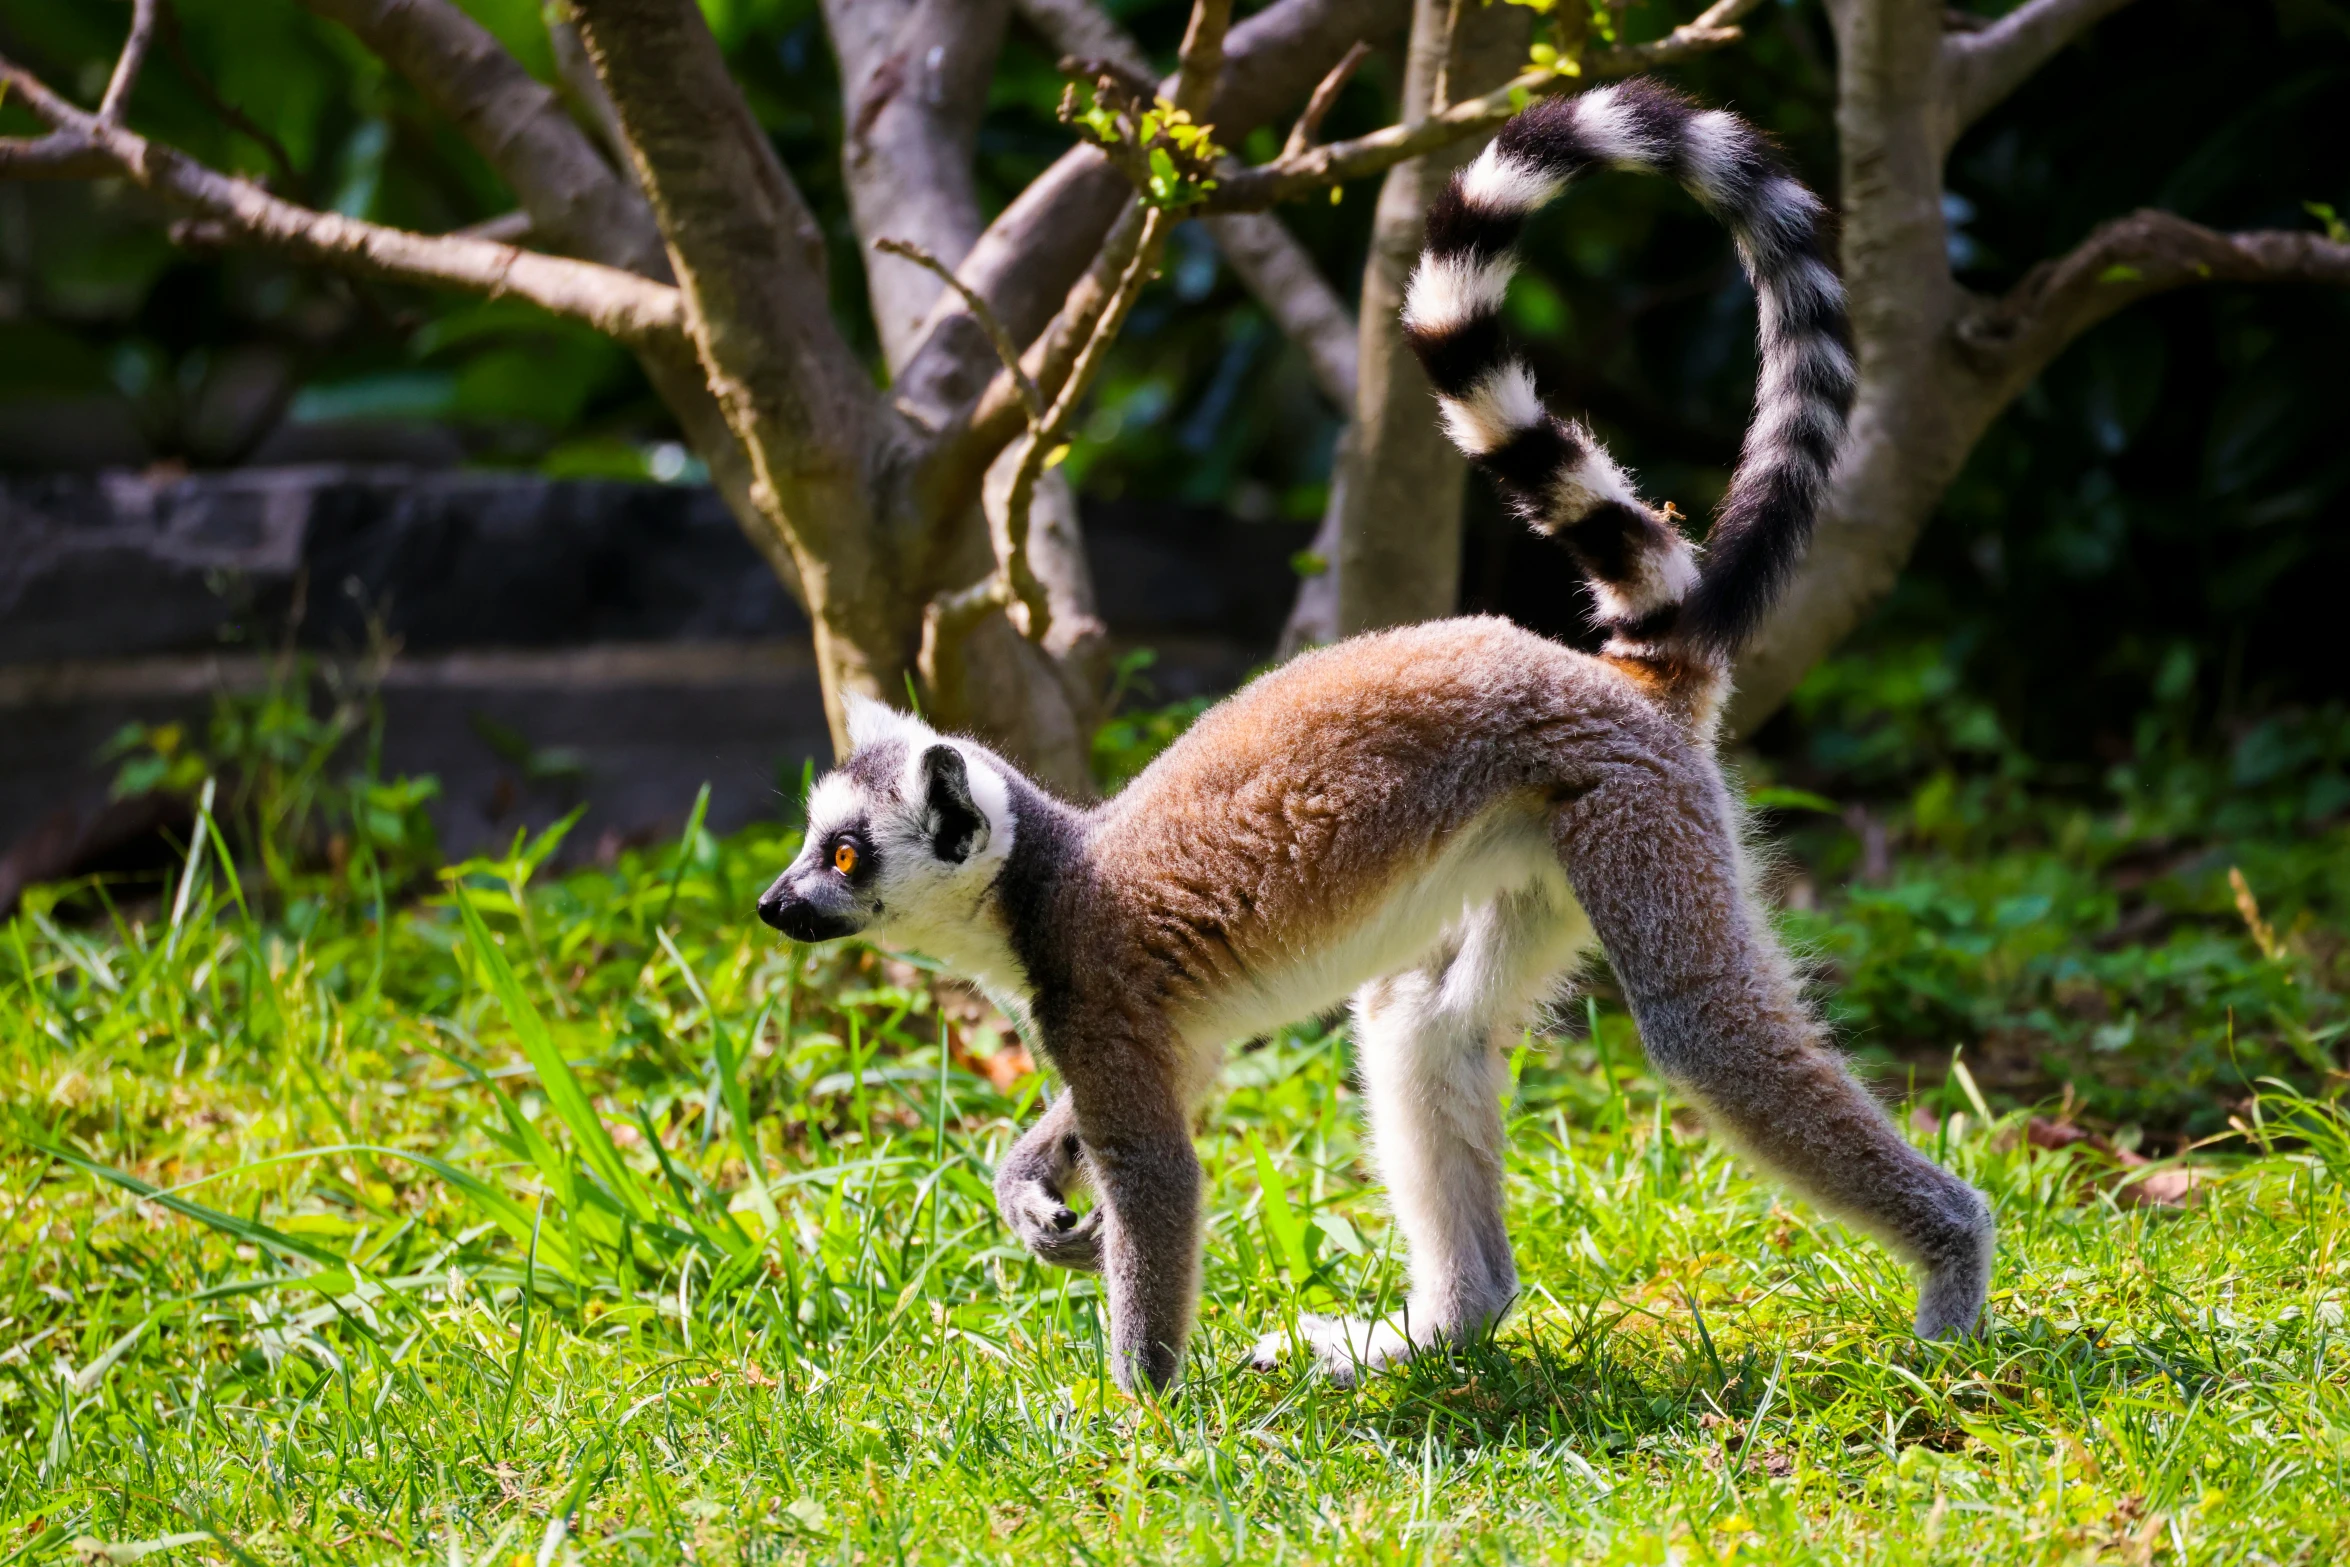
(905, 836)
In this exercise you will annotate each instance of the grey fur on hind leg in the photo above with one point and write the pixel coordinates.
(1720, 1014)
(1032, 1188)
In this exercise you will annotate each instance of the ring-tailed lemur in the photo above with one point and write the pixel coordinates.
(1438, 820)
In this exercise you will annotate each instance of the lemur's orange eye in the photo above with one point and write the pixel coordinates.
(844, 858)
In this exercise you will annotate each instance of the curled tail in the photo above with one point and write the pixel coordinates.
(1649, 590)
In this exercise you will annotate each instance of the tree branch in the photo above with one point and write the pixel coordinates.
(1007, 351)
(1271, 264)
(914, 76)
(1288, 177)
(60, 155)
(1038, 247)
(2012, 339)
(995, 421)
(578, 203)
(1982, 67)
(71, 154)
(117, 101)
(750, 263)
(624, 306)
(949, 620)
(1318, 107)
(1202, 61)
(1282, 276)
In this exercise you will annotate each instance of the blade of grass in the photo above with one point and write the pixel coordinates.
(738, 1103)
(564, 1093)
(685, 849)
(1280, 1219)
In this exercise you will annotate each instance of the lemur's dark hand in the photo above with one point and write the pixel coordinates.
(1030, 1192)
(1051, 1229)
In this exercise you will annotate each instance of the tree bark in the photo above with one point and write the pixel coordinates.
(1397, 504)
(577, 202)
(914, 80)
(750, 262)
(1937, 363)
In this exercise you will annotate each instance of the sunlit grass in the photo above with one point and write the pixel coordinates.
(583, 1219)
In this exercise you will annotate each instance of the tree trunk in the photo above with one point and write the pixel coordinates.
(1395, 494)
(1907, 439)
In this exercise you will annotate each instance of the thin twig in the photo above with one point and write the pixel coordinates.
(629, 308)
(1291, 176)
(1131, 254)
(235, 118)
(1201, 64)
(1005, 349)
(127, 66)
(1042, 441)
(1045, 439)
(1309, 124)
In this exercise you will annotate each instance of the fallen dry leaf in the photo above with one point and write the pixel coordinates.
(2179, 1186)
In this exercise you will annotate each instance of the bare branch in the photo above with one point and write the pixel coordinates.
(914, 77)
(1006, 350)
(2013, 338)
(1440, 97)
(577, 202)
(575, 198)
(1287, 178)
(1039, 245)
(620, 304)
(1277, 270)
(117, 101)
(59, 155)
(1272, 265)
(233, 117)
(578, 75)
(996, 415)
(1013, 585)
(1202, 62)
(68, 154)
(1309, 124)
(1983, 67)
(1082, 30)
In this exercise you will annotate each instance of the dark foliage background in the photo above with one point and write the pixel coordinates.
(2165, 510)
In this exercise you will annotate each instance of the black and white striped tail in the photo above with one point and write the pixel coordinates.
(1647, 585)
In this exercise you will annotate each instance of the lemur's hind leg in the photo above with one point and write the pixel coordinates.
(1654, 862)
(1032, 1189)
(1432, 1045)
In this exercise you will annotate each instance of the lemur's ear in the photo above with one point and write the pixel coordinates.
(957, 827)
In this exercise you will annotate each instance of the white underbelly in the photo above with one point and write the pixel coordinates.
(1505, 851)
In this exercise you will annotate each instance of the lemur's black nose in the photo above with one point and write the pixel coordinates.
(800, 919)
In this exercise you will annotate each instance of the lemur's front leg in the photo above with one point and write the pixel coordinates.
(1138, 1155)
(1032, 1188)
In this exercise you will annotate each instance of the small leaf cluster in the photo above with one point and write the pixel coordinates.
(1170, 157)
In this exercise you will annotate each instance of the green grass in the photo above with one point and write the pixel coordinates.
(435, 1235)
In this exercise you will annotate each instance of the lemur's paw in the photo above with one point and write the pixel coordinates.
(1958, 1276)
(1344, 1349)
(1053, 1231)
(1951, 1309)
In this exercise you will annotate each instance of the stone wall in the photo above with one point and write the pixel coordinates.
(550, 642)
